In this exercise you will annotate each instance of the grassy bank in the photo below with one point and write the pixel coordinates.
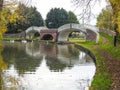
(73, 40)
(103, 78)
(8, 39)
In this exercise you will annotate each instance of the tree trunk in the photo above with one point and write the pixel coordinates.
(115, 37)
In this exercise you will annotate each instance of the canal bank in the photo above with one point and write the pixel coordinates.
(107, 63)
(107, 76)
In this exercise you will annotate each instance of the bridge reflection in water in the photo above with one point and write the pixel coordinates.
(46, 66)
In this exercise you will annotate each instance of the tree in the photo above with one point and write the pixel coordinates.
(27, 16)
(87, 6)
(56, 17)
(104, 20)
(116, 12)
(5, 14)
(36, 19)
(11, 3)
(72, 17)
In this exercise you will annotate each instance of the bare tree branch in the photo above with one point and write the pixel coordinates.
(26, 2)
(86, 9)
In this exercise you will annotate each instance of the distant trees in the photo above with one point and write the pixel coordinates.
(57, 17)
(21, 17)
(27, 16)
(105, 19)
(72, 18)
(87, 6)
(16, 18)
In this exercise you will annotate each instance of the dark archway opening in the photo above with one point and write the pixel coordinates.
(37, 34)
(47, 37)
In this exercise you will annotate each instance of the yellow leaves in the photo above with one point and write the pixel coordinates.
(6, 16)
(114, 1)
(116, 12)
(14, 17)
(2, 31)
(3, 27)
(118, 28)
(118, 21)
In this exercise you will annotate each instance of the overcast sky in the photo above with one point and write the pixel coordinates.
(44, 7)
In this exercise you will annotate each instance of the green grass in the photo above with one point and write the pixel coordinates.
(114, 51)
(76, 40)
(8, 39)
(102, 79)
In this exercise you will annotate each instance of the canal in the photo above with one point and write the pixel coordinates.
(45, 66)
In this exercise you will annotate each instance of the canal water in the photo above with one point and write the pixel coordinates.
(45, 66)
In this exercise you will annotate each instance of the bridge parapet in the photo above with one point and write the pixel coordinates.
(81, 27)
(72, 26)
(35, 28)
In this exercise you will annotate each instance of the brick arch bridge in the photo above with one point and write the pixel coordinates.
(49, 34)
(62, 33)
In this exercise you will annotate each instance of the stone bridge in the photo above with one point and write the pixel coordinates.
(91, 32)
(61, 34)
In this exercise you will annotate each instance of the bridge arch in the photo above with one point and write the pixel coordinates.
(50, 34)
(47, 37)
(32, 30)
(66, 29)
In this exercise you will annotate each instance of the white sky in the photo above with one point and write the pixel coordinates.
(44, 7)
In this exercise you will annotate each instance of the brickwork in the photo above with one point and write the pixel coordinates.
(91, 36)
(52, 32)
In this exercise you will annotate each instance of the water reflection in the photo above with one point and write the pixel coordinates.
(15, 54)
(46, 66)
